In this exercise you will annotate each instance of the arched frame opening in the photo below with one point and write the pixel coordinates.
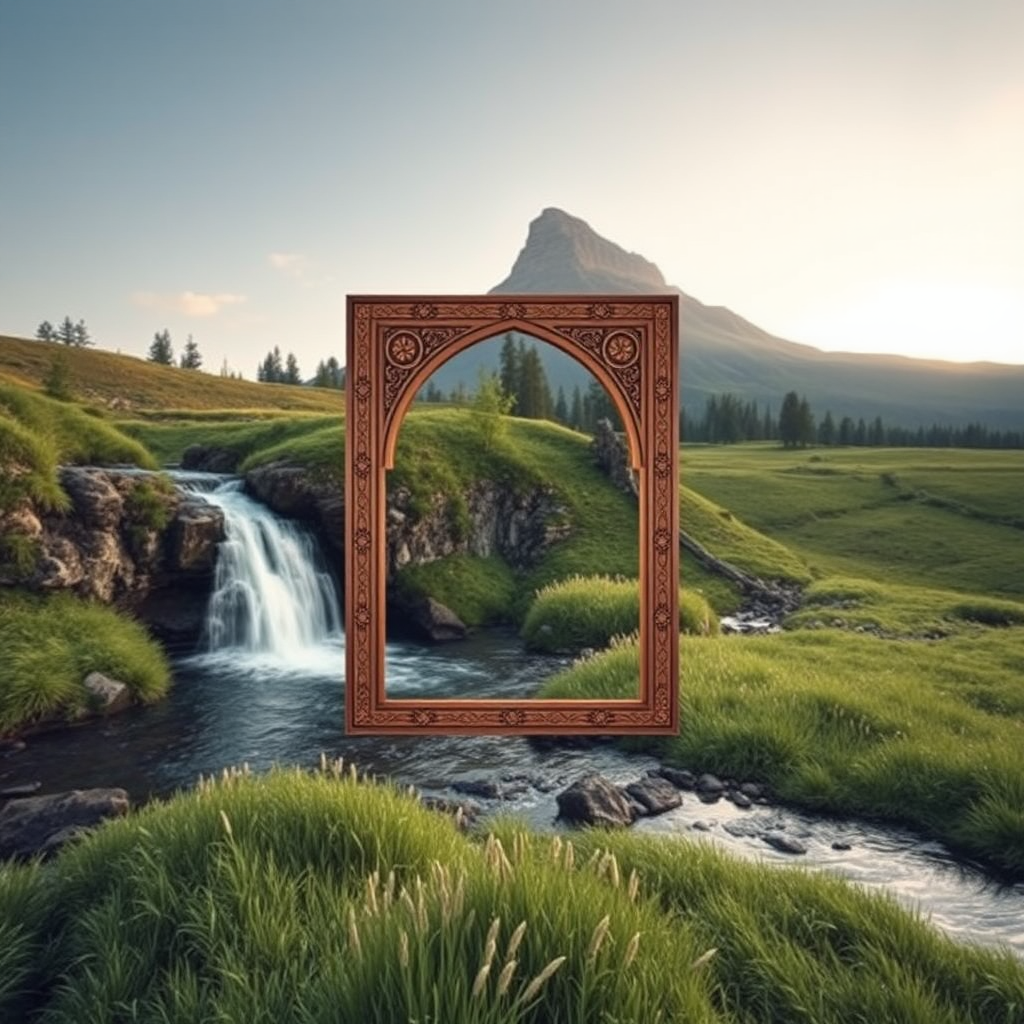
(394, 343)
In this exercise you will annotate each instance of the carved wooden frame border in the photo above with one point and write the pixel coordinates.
(631, 344)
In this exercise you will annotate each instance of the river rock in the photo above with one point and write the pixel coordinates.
(679, 777)
(437, 621)
(40, 823)
(193, 536)
(593, 800)
(710, 788)
(486, 789)
(107, 695)
(783, 843)
(655, 794)
(739, 798)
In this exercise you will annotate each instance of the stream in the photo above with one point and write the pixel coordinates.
(265, 688)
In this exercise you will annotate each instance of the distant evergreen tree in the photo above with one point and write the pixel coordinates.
(534, 399)
(270, 371)
(458, 394)
(291, 370)
(561, 406)
(860, 435)
(576, 411)
(806, 431)
(796, 424)
(46, 332)
(876, 435)
(336, 373)
(510, 372)
(434, 393)
(321, 379)
(827, 429)
(190, 357)
(81, 335)
(597, 405)
(161, 351)
(66, 331)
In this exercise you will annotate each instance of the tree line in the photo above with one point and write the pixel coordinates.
(728, 419)
(68, 332)
(522, 380)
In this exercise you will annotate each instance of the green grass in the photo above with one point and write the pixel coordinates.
(313, 439)
(439, 453)
(732, 540)
(483, 589)
(38, 433)
(927, 734)
(899, 610)
(948, 520)
(52, 643)
(300, 898)
(117, 382)
(588, 611)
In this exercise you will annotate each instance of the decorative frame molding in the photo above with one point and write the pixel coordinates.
(631, 344)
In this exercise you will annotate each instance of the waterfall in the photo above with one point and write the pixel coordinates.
(271, 596)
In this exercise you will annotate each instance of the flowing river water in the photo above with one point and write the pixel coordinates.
(266, 688)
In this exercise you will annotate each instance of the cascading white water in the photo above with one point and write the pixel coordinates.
(269, 596)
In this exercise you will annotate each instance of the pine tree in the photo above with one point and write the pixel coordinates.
(789, 420)
(81, 335)
(561, 406)
(66, 331)
(190, 357)
(576, 412)
(806, 430)
(46, 331)
(291, 370)
(827, 430)
(510, 374)
(161, 350)
(335, 372)
(535, 394)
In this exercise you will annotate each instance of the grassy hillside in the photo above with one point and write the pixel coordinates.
(297, 898)
(38, 433)
(123, 382)
(949, 520)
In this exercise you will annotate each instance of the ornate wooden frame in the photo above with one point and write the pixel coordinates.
(631, 344)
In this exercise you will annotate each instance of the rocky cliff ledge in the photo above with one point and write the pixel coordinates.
(128, 539)
(498, 520)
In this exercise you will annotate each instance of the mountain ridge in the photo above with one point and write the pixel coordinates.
(722, 351)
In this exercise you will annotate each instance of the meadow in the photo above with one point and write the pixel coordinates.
(894, 693)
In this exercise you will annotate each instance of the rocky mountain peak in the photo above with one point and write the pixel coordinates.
(564, 254)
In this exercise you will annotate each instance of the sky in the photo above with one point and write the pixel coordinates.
(848, 176)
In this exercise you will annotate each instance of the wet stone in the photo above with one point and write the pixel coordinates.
(783, 843)
(679, 777)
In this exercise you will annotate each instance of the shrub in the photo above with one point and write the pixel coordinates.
(587, 611)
